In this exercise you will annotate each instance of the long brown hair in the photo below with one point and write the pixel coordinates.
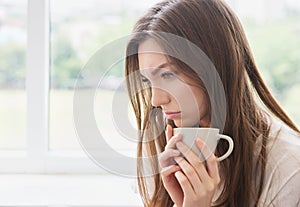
(213, 27)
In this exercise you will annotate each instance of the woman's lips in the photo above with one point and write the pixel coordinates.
(172, 115)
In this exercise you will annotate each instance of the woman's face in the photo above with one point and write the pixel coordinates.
(185, 104)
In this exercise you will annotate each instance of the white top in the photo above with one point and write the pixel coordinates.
(282, 176)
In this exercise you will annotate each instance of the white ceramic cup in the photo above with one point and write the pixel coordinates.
(210, 136)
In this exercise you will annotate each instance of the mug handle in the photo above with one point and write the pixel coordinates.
(231, 144)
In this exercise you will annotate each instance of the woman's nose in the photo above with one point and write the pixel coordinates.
(159, 97)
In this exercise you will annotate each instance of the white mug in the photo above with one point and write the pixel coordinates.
(210, 136)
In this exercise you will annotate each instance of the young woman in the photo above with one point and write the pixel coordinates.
(166, 86)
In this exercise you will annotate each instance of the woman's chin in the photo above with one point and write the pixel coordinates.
(186, 124)
(177, 123)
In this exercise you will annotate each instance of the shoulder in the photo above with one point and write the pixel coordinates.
(283, 146)
(283, 149)
(282, 177)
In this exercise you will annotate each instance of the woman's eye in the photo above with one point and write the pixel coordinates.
(167, 75)
(145, 80)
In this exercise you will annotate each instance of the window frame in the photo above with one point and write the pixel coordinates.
(37, 158)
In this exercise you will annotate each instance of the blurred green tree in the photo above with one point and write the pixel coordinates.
(12, 65)
(276, 49)
(65, 63)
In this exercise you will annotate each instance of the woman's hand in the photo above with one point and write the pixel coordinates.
(197, 182)
(189, 182)
(169, 167)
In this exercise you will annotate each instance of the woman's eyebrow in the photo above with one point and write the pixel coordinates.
(158, 68)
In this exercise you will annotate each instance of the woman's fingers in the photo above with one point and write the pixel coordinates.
(194, 173)
(198, 182)
(171, 140)
(185, 184)
(169, 132)
(169, 170)
(194, 160)
(165, 157)
(190, 172)
(208, 174)
(211, 160)
(171, 144)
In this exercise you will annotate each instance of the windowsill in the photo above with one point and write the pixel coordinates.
(67, 190)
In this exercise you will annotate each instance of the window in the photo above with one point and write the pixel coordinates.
(75, 38)
(60, 40)
(273, 32)
(13, 30)
(37, 133)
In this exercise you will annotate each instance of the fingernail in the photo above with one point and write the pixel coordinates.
(176, 153)
(178, 137)
(179, 144)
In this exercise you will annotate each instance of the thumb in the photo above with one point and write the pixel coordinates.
(169, 132)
